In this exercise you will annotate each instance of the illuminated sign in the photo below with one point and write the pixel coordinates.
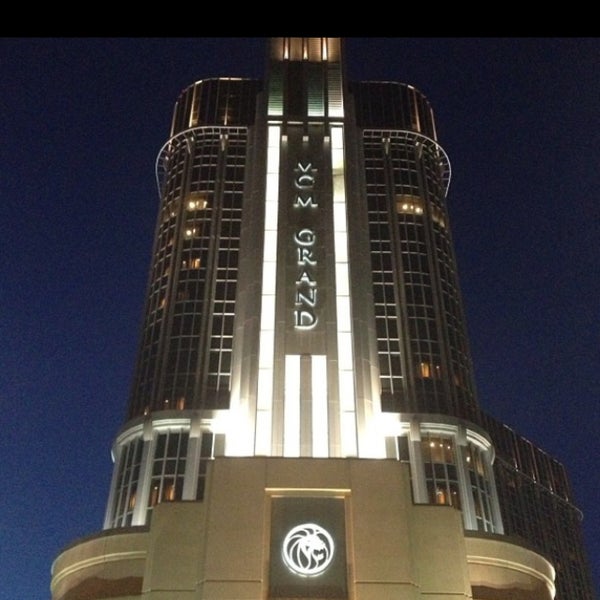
(303, 560)
(304, 182)
(305, 299)
(308, 550)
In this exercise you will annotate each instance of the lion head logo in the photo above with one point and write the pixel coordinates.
(307, 549)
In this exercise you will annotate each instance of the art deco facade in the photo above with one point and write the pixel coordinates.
(303, 421)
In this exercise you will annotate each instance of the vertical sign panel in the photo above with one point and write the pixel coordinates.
(308, 548)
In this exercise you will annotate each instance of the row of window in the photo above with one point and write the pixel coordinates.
(418, 178)
(449, 474)
(443, 467)
(166, 469)
(184, 270)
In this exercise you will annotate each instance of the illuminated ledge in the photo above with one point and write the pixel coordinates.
(497, 566)
(98, 560)
(163, 420)
(108, 564)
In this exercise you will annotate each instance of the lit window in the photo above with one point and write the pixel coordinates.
(169, 491)
(193, 263)
(197, 201)
(153, 495)
(440, 496)
(409, 204)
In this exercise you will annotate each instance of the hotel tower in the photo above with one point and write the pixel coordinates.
(303, 421)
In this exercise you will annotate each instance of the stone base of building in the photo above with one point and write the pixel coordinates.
(282, 528)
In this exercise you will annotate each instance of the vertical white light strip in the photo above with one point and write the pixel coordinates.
(291, 418)
(264, 401)
(320, 421)
(344, 320)
(193, 121)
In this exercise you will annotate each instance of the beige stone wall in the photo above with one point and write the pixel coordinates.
(102, 566)
(219, 549)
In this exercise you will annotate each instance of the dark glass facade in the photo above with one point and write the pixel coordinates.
(184, 360)
(424, 359)
(538, 507)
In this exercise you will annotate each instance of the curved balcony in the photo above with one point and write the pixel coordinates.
(501, 568)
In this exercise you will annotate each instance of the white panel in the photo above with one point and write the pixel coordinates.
(348, 434)
(273, 141)
(320, 426)
(266, 349)
(339, 216)
(272, 163)
(337, 143)
(345, 352)
(267, 318)
(339, 188)
(341, 246)
(271, 246)
(262, 443)
(271, 217)
(344, 316)
(265, 389)
(344, 325)
(341, 279)
(269, 270)
(291, 421)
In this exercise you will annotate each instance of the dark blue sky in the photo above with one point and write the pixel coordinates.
(82, 121)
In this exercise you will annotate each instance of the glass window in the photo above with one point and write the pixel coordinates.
(480, 487)
(127, 482)
(168, 467)
(441, 474)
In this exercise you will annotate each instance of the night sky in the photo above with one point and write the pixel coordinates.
(82, 121)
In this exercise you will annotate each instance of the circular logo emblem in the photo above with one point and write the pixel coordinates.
(307, 549)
